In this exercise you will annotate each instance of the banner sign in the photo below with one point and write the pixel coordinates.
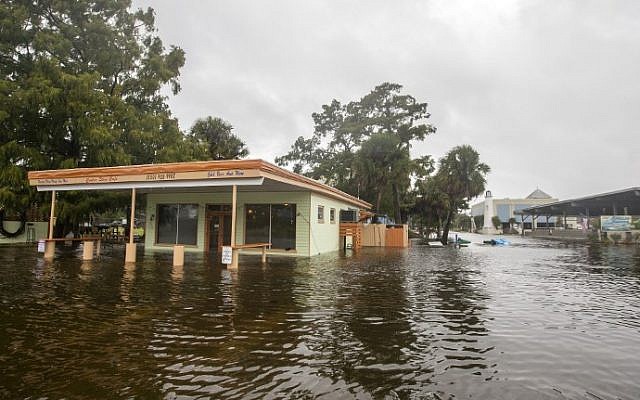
(616, 223)
(156, 177)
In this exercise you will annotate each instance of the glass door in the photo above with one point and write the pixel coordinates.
(218, 227)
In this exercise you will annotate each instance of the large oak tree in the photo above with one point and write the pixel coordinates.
(351, 142)
(81, 86)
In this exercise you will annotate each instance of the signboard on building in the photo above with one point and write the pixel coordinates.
(131, 176)
(227, 254)
(614, 223)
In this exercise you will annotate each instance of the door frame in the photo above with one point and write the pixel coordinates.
(210, 215)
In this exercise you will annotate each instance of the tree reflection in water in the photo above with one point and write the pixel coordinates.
(370, 331)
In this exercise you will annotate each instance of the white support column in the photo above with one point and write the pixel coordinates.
(487, 227)
(234, 205)
(87, 250)
(130, 251)
(50, 246)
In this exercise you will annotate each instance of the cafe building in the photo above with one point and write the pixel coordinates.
(202, 206)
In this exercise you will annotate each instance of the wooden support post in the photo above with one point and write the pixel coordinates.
(178, 255)
(50, 246)
(87, 250)
(52, 214)
(130, 251)
(234, 205)
(234, 259)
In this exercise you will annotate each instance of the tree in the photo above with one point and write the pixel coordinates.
(461, 176)
(497, 223)
(512, 223)
(431, 205)
(462, 222)
(379, 162)
(80, 86)
(332, 154)
(216, 138)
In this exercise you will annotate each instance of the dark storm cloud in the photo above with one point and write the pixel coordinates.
(548, 92)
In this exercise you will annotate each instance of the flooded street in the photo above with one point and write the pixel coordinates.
(536, 319)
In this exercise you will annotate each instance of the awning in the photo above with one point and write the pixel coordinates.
(620, 202)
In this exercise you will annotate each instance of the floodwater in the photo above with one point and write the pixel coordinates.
(533, 320)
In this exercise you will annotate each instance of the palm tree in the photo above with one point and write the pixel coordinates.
(462, 177)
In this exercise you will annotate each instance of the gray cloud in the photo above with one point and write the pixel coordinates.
(546, 91)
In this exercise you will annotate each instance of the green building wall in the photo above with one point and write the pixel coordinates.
(300, 199)
(312, 237)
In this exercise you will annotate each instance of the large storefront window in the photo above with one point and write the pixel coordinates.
(271, 223)
(177, 224)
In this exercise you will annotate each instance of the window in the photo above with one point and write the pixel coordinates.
(332, 215)
(320, 214)
(177, 224)
(271, 223)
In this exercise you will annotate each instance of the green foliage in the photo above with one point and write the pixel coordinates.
(460, 177)
(379, 161)
(496, 222)
(462, 222)
(338, 154)
(215, 138)
(432, 204)
(479, 221)
(80, 86)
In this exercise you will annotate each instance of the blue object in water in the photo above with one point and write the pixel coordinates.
(497, 242)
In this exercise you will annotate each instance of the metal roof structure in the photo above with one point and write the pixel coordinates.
(619, 202)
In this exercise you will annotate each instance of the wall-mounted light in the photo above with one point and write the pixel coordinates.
(153, 216)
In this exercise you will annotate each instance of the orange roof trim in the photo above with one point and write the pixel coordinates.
(259, 167)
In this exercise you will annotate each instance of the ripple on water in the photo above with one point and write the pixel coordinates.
(532, 320)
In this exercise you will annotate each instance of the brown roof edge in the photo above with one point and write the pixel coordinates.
(146, 169)
(192, 166)
(275, 170)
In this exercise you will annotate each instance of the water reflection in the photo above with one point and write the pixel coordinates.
(532, 320)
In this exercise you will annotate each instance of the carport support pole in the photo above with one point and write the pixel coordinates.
(50, 245)
(234, 205)
(130, 251)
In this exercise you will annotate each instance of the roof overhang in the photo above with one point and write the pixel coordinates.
(196, 176)
(610, 203)
(196, 183)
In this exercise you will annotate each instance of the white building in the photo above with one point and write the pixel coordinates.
(505, 209)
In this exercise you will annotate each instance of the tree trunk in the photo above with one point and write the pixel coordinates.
(396, 203)
(378, 201)
(445, 230)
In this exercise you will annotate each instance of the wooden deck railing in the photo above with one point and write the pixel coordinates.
(354, 230)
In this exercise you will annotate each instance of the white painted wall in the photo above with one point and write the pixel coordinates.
(325, 236)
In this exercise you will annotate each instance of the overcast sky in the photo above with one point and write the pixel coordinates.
(547, 92)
